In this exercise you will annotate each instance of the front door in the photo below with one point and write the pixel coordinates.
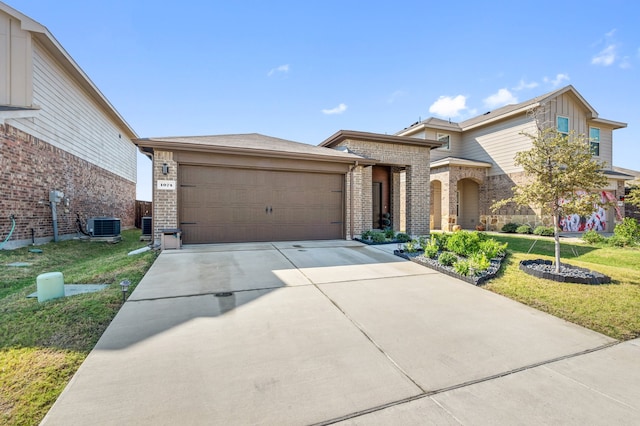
(377, 205)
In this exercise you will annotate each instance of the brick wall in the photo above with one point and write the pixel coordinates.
(165, 201)
(30, 168)
(414, 158)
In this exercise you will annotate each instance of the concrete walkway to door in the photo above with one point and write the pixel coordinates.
(337, 332)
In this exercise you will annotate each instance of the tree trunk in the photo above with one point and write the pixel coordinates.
(556, 238)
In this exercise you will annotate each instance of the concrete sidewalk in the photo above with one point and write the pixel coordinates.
(325, 332)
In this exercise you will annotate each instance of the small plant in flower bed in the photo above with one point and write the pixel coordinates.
(389, 233)
(442, 239)
(462, 267)
(401, 237)
(478, 261)
(544, 231)
(412, 246)
(378, 237)
(447, 258)
(463, 242)
(492, 248)
(431, 248)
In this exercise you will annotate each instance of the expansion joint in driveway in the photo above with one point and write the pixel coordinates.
(426, 394)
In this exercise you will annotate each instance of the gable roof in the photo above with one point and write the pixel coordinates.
(510, 110)
(342, 135)
(42, 34)
(248, 143)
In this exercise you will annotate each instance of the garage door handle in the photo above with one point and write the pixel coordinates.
(188, 223)
(268, 209)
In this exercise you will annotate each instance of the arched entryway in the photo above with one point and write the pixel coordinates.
(468, 203)
(436, 205)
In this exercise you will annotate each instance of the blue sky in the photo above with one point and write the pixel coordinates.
(302, 70)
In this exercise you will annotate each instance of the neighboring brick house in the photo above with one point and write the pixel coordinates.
(58, 132)
(475, 166)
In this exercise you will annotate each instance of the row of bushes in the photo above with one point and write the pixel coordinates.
(468, 252)
(545, 231)
(626, 233)
(387, 235)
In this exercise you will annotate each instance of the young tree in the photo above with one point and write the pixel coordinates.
(558, 166)
(634, 196)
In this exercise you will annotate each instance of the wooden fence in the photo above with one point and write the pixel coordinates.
(143, 209)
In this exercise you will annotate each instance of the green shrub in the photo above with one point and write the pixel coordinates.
(378, 237)
(524, 229)
(464, 243)
(431, 249)
(389, 233)
(423, 241)
(401, 237)
(411, 246)
(592, 237)
(492, 248)
(618, 241)
(462, 267)
(447, 258)
(366, 235)
(440, 239)
(510, 227)
(545, 231)
(628, 229)
(479, 262)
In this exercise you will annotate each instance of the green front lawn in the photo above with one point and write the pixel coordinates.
(43, 344)
(611, 309)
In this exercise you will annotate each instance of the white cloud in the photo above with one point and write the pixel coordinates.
(395, 95)
(446, 106)
(557, 81)
(625, 63)
(501, 98)
(606, 56)
(337, 110)
(524, 85)
(281, 69)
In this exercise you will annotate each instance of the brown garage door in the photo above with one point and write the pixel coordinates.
(220, 204)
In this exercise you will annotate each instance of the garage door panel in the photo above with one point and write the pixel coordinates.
(234, 205)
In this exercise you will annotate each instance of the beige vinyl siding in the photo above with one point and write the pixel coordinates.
(71, 120)
(498, 143)
(15, 63)
(606, 145)
(438, 153)
(567, 105)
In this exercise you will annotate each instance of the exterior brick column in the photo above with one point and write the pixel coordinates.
(418, 200)
(396, 213)
(165, 201)
(367, 198)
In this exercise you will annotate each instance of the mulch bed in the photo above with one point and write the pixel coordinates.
(541, 268)
(479, 279)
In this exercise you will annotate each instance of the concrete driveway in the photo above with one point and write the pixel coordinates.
(337, 332)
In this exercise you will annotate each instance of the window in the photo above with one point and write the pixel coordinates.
(563, 125)
(445, 139)
(594, 140)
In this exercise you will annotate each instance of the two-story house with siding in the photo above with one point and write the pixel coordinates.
(475, 167)
(58, 132)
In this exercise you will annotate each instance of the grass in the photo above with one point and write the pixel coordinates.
(43, 344)
(612, 309)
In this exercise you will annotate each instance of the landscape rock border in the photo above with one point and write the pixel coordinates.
(485, 276)
(541, 268)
